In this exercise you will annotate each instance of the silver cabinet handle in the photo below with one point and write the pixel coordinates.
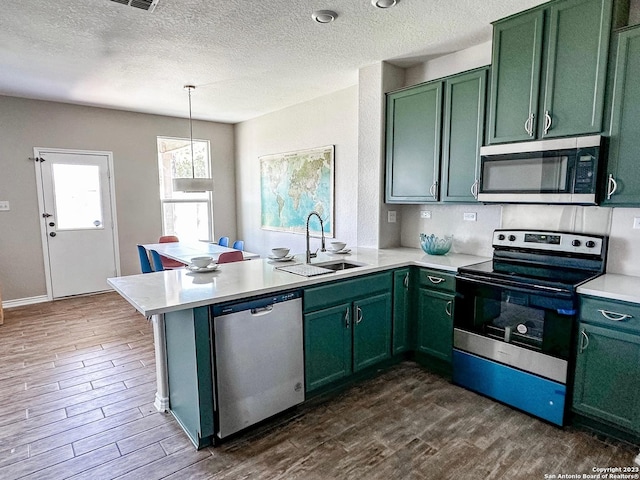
(547, 122)
(358, 314)
(435, 280)
(405, 282)
(614, 316)
(433, 190)
(612, 186)
(447, 308)
(347, 323)
(474, 189)
(528, 124)
(585, 341)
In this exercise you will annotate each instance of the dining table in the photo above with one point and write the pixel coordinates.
(185, 251)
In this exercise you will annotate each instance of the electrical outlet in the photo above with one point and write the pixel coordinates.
(425, 214)
(636, 222)
(4, 206)
(391, 216)
(469, 216)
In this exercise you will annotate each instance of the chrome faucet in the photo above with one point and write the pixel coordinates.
(309, 254)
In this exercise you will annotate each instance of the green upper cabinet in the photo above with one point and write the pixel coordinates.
(574, 89)
(549, 71)
(434, 134)
(462, 135)
(515, 77)
(624, 152)
(414, 122)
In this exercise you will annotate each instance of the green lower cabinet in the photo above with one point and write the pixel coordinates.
(435, 324)
(327, 345)
(607, 376)
(371, 331)
(401, 311)
(347, 328)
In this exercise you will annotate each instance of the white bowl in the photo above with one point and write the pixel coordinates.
(336, 246)
(280, 252)
(201, 262)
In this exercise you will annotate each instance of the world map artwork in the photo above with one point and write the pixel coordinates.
(294, 184)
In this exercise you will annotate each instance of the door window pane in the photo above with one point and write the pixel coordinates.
(77, 196)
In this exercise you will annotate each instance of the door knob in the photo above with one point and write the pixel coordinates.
(52, 234)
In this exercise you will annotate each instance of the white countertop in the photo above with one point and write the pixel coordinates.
(171, 290)
(613, 286)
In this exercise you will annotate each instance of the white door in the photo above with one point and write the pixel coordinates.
(78, 230)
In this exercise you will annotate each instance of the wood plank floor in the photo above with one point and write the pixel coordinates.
(77, 384)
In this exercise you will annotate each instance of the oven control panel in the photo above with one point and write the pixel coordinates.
(549, 241)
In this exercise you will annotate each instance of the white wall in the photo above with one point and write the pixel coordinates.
(467, 59)
(131, 137)
(328, 120)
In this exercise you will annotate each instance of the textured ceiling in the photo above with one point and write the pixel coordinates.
(247, 57)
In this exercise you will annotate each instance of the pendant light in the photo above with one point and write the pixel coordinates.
(193, 184)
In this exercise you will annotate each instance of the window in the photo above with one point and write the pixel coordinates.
(188, 215)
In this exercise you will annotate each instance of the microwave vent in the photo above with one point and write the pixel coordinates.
(148, 5)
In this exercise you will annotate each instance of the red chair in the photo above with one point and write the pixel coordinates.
(227, 257)
(169, 263)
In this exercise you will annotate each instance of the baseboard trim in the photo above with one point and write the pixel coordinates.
(21, 302)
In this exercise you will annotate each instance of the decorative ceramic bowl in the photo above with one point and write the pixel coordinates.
(201, 262)
(433, 245)
(336, 246)
(280, 252)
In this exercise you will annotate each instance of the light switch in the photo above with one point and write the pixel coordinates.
(4, 206)
(636, 222)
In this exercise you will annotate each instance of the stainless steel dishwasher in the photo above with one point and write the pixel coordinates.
(259, 362)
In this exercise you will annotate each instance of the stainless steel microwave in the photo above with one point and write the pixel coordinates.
(561, 170)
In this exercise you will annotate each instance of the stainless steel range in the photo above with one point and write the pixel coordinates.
(516, 316)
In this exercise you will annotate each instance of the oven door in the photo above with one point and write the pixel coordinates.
(513, 343)
(525, 327)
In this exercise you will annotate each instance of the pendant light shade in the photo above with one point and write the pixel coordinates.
(192, 184)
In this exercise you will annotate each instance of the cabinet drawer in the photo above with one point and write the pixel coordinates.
(345, 291)
(438, 280)
(610, 313)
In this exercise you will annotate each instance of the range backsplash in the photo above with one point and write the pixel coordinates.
(474, 238)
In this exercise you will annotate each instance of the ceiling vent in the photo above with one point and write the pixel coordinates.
(148, 5)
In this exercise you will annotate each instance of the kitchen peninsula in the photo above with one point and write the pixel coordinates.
(181, 297)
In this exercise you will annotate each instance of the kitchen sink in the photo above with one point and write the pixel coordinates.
(324, 268)
(339, 265)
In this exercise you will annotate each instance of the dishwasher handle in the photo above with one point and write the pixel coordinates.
(257, 312)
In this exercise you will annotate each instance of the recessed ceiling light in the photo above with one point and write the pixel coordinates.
(383, 3)
(324, 16)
